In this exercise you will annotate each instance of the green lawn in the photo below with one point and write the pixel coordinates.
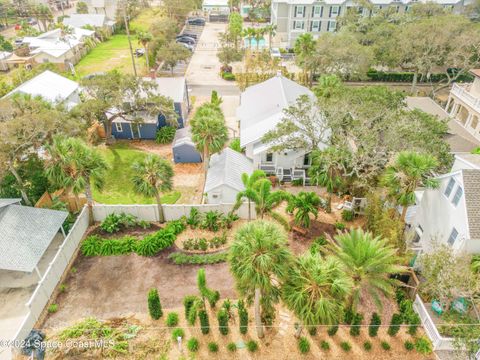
(118, 185)
(143, 21)
(111, 54)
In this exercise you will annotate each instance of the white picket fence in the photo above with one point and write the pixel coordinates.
(438, 341)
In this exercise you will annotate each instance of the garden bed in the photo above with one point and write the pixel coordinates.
(137, 231)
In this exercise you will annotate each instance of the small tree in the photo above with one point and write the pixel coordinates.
(243, 316)
(145, 38)
(188, 303)
(210, 295)
(204, 322)
(154, 305)
(222, 317)
(82, 7)
(172, 54)
(394, 327)
(355, 328)
(302, 205)
(375, 323)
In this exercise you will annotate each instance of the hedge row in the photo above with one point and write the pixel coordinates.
(198, 259)
(374, 75)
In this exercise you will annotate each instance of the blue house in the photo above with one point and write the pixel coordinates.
(183, 148)
(145, 126)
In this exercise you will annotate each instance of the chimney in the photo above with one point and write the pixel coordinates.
(153, 74)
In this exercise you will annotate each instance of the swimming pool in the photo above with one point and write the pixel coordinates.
(253, 43)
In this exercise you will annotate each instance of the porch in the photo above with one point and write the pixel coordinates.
(285, 174)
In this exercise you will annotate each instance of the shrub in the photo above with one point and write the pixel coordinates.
(211, 221)
(192, 344)
(213, 347)
(204, 322)
(210, 295)
(332, 330)
(252, 346)
(194, 218)
(347, 215)
(228, 76)
(222, 317)
(198, 259)
(53, 308)
(423, 345)
(345, 345)
(232, 347)
(385, 345)
(312, 330)
(62, 288)
(235, 145)
(324, 345)
(375, 323)
(303, 345)
(414, 321)
(367, 345)
(111, 223)
(348, 317)
(188, 303)
(243, 316)
(297, 182)
(409, 346)
(355, 328)
(165, 134)
(177, 332)
(154, 305)
(394, 327)
(172, 319)
(400, 296)
(340, 226)
(91, 245)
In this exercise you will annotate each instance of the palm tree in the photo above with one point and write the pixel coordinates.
(259, 259)
(409, 172)
(369, 261)
(315, 290)
(153, 175)
(267, 200)
(75, 166)
(145, 38)
(249, 33)
(327, 86)
(304, 204)
(249, 192)
(304, 49)
(258, 35)
(209, 132)
(271, 30)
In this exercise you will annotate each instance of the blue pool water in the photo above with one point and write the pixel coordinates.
(253, 43)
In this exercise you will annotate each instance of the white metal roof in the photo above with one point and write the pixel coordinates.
(183, 136)
(81, 20)
(226, 168)
(261, 106)
(171, 87)
(49, 85)
(375, 2)
(6, 202)
(25, 234)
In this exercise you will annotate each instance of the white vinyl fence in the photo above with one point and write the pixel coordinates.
(171, 212)
(438, 341)
(53, 274)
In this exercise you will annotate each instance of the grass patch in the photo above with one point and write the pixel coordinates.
(145, 19)
(111, 54)
(118, 184)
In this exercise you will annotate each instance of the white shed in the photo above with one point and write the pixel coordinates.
(224, 176)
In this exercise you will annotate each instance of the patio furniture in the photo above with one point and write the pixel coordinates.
(460, 305)
(437, 307)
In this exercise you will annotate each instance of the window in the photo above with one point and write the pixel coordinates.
(360, 10)
(457, 196)
(334, 11)
(298, 25)
(306, 159)
(315, 25)
(299, 11)
(452, 237)
(118, 127)
(317, 11)
(407, 8)
(474, 122)
(269, 157)
(449, 188)
(332, 26)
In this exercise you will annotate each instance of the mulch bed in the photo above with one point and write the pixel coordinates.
(137, 231)
(299, 243)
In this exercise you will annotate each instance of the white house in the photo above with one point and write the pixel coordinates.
(107, 7)
(224, 176)
(93, 20)
(261, 109)
(52, 87)
(451, 214)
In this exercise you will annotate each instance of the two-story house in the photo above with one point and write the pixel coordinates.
(261, 109)
(463, 105)
(295, 17)
(450, 214)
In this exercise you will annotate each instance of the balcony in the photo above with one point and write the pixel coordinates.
(464, 95)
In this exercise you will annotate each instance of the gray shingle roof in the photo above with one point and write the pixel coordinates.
(471, 184)
(226, 168)
(183, 136)
(25, 234)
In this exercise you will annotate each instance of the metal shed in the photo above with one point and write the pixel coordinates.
(183, 148)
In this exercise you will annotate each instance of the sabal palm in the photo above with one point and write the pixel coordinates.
(302, 205)
(73, 165)
(304, 48)
(249, 192)
(316, 289)
(249, 33)
(267, 200)
(369, 261)
(145, 38)
(259, 259)
(152, 176)
(271, 31)
(259, 36)
(410, 171)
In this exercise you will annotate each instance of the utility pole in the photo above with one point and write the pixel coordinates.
(128, 37)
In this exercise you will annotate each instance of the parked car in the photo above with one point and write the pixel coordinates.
(189, 47)
(18, 41)
(186, 37)
(194, 36)
(196, 21)
(186, 41)
(18, 27)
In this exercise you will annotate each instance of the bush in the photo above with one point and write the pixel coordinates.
(235, 145)
(222, 317)
(232, 347)
(213, 347)
(375, 323)
(243, 316)
(165, 134)
(303, 345)
(356, 322)
(324, 345)
(367, 345)
(312, 330)
(228, 76)
(194, 218)
(374, 75)
(345, 345)
(115, 222)
(400, 296)
(423, 345)
(385, 345)
(211, 221)
(177, 332)
(188, 302)
(91, 245)
(210, 295)
(394, 327)
(332, 330)
(348, 316)
(409, 346)
(252, 346)
(172, 319)
(297, 182)
(198, 259)
(347, 215)
(414, 322)
(154, 305)
(192, 344)
(53, 308)
(204, 322)
(340, 226)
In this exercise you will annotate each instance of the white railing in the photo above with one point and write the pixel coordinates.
(438, 341)
(466, 97)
